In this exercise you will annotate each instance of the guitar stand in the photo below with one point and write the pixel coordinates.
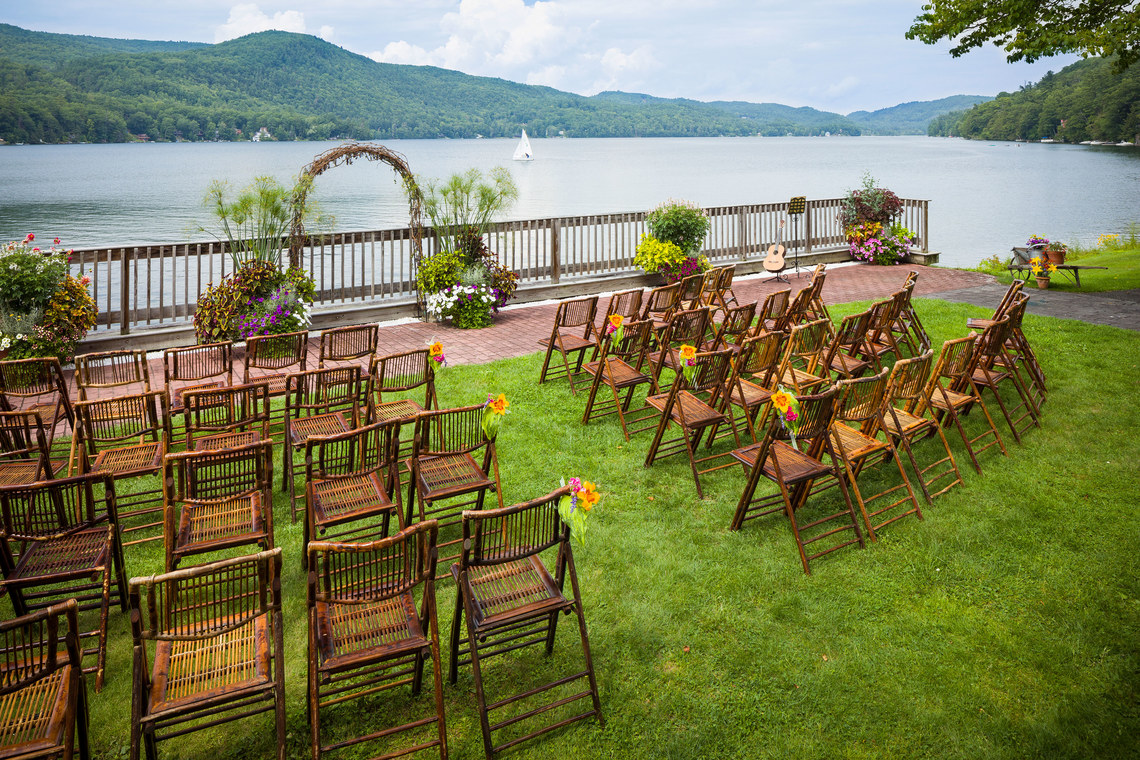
(781, 277)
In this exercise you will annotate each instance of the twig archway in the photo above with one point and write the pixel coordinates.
(345, 154)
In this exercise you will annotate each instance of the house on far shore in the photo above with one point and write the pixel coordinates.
(262, 134)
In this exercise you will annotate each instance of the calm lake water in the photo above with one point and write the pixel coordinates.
(985, 197)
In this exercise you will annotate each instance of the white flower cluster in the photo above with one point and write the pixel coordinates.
(441, 305)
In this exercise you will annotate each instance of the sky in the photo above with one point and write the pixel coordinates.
(834, 55)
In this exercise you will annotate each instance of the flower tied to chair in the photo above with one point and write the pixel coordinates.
(575, 507)
(435, 351)
(787, 409)
(493, 412)
(615, 327)
(687, 356)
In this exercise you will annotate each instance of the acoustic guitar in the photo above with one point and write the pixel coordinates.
(774, 261)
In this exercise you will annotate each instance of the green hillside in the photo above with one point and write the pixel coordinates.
(1084, 101)
(769, 119)
(911, 118)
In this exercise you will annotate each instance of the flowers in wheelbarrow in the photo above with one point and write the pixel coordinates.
(435, 352)
(575, 507)
(493, 413)
(787, 409)
(1040, 264)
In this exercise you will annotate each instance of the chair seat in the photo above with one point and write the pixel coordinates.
(82, 552)
(350, 497)
(450, 474)
(973, 323)
(229, 440)
(300, 428)
(21, 473)
(946, 399)
(214, 524)
(996, 376)
(32, 719)
(907, 424)
(129, 460)
(351, 635)
(795, 466)
(511, 591)
(754, 394)
(846, 363)
(210, 670)
(176, 395)
(403, 409)
(570, 342)
(276, 382)
(855, 444)
(797, 378)
(620, 372)
(697, 413)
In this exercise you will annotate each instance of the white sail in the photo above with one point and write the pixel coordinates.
(523, 152)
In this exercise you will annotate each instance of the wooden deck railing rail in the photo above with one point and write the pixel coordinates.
(158, 285)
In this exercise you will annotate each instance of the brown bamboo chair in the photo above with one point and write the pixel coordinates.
(367, 634)
(24, 453)
(952, 371)
(627, 303)
(798, 312)
(816, 308)
(993, 367)
(38, 385)
(801, 368)
(907, 325)
(881, 340)
(683, 407)
(351, 346)
(752, 381)
(271, 358)
(1011, 294)
(59, 541)
(352, 487)
(907, 420)
(126, 437)
(208, 649)
(219, 418)
(735, 326)
(398, 375)
(794, 470)
(617, 370)
(571, 336)
(209, 365)
(725, 294)
(317, 402)
(857, 439)
(661, 303)
(685, 327)
(453, 466)
(123, 372)
(774, 308)
(43, 695)
(214, 500)
(1021, 354)
(509, 600)
(693, 288)
(842, 358)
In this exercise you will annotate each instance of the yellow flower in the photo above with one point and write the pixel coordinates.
(588, 496)
(782, 400)
(1052, 268)
(616, 320)
(688, 353)
(435, 349)
(499, 405)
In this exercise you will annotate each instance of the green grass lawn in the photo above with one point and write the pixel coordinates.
(1005, 624)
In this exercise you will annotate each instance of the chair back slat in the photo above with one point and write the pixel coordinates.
(348, 343)
(686, 327)
(815, 416)
(450, 431)
(403, 372)
(36, 511)
(579, 312)
(114, 421)
(861, 399)
(496, 536)
(30, 652)
(709, 373)
(775, 306)
(321, 391)
(367, 449)
(736, 325)
(125, 369)
(374, 571)
(275, 353)
(760, 357)
(210, 475)
(195, 363)
(220, 410)
(908, 380)
(23, 438)
(662, 302)
(626, 303)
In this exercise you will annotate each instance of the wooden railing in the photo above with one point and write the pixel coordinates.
(158, 285)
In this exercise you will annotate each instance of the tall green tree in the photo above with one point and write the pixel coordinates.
(1031, 29)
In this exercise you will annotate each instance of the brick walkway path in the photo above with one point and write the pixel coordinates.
(517, 330)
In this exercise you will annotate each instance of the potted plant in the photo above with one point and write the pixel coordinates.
(1055, 252)
(873, 245)
(1042, 268)
(44, 309)
(676, 235)
(464, 281)
(259, 297)
(867, 206)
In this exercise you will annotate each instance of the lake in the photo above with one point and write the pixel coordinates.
(985, 196)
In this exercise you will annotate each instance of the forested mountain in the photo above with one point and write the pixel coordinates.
(911, 118)
(1084, 101)
(769, 119)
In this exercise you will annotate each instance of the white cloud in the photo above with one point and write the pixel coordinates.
(247, 18)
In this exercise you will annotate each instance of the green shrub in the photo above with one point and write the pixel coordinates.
(656, 255)
(247, 303)
(439, 271)
(681, 223)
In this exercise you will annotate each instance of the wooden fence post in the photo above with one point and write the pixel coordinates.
(124, 294)
(808, 213)
(555, 251)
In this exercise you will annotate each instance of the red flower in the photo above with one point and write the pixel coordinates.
(29, 238)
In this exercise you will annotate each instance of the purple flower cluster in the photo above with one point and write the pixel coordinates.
(265, 316)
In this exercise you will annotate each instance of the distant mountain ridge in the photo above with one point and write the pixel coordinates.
(70, 88)
(912, 118)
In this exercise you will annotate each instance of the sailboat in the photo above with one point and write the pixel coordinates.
(523, 152)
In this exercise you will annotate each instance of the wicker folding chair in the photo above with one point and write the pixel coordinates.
(219, 418)
(733, 328)
(683, 407)
(951, 372)
(398, 375)
(351, 346)
(855, 438)
(617, 370)
(509, 601)
(1021, 354)
(352, 487)
(686, 327)
(798, 312)
(626, 303)
(445, 469)
(367, 633)
(270, 358)
(724, 290)
(571, 336)
(201, 367)
(693, 288)
(43, 695)
(317, 402)
(772, 311)
(124, 372)
(801, 368)
(993, 367)
(816, 308)
(906, 421)
(881, 339)
(38, 385)
(907, 325)
(217, 500)
(794, 469)
(842, 358)
(1011, 294)
(24, 453)
(208, 649)
(60, 541)
(125, 437)
(752, 381)
(660, 304)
